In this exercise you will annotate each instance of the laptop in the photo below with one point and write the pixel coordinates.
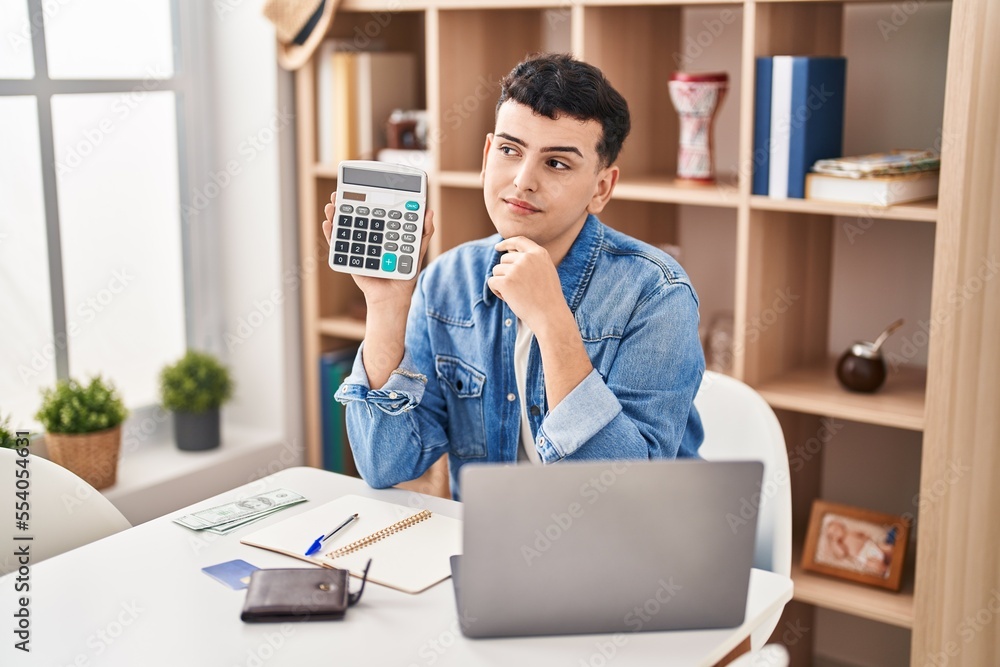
(605, 547)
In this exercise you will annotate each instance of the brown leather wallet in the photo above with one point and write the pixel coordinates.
(299, 594)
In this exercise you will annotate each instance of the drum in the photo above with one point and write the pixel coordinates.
(697, 98)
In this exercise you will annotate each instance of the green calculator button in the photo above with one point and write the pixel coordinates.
(389, 262)
(412, 206)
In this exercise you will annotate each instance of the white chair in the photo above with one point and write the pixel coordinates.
(739, 424)
(64, 512)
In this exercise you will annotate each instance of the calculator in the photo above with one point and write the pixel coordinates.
(378, 219)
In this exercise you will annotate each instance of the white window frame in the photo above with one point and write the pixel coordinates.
(199, 243)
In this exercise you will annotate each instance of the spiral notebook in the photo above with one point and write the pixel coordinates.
(409, 548)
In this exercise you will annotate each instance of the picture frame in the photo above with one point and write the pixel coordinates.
(856, 544)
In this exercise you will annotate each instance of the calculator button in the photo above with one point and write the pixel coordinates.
(391, 247)
(340, 246)
(409, 227)
(395, 215)
(412, 217)
(361, 223)
(409, 238)
(356, 262)
(357, 248)
(405, 263)
(375, 237)
(393, 225)
(412, 206)
(373, 263)
(378, 225)
(344, 234)
(363, 210)
(344, 221)
(360, 235)
(346, 208)
(406, 248)
(374, 251)
(388, 262)
(392, 236)
(378, 212)
(340, 260)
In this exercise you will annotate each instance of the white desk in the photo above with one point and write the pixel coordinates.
(140, 598)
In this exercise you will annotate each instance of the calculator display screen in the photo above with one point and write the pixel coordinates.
(382, 179)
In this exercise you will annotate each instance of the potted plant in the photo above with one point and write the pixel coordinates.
(193, 389)
(83, 425)
(7, 437)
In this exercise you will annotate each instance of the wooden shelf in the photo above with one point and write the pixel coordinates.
(827, 2)
(665, 189)
(856, 599)
(460, 179)
(321, 170)
(347, 328)
(668, 189)
(919, 211)
(815, 390)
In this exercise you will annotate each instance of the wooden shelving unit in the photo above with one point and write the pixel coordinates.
(814, 390)
(855, 599)
(464, 47)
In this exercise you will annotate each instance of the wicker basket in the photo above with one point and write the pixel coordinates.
(91, 456)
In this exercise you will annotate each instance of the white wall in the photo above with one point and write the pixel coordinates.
(247, 298)
(248, 127)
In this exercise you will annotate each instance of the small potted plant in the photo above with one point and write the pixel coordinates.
(193, 389)
(7, 437)
(83, 428)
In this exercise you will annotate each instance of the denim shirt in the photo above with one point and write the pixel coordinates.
(454, 391)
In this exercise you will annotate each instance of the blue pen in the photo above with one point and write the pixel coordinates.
(318, 544)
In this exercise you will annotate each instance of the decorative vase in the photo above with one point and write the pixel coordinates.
(697, 98)
(91, 456)
(861, 368)
(197, 431)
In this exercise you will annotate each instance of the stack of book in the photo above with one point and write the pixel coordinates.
(798, 119)
(333, 368)
(356, 91)
(877, 179)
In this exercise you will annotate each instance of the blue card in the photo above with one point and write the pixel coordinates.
(234, 573)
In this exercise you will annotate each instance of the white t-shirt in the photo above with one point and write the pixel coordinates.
(522, 344)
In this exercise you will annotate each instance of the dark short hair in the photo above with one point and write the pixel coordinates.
(556, 84)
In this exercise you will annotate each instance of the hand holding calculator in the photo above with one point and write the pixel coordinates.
(378, 219)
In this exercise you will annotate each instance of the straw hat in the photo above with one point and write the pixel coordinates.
(299, 25)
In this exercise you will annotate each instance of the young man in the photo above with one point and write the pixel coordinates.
(559, 338)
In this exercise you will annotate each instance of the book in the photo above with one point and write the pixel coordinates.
(385, 81)
(873, 190)
(781, 127)
(333, 368)
(326, 85)
(355, 94)
(409, 548)
(880, 164)
(324, 101)
(421, 159)
(762, 126)
(805, 124)
(345, 146)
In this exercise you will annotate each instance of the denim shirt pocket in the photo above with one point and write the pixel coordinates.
(463, 392)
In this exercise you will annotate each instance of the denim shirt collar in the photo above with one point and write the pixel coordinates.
(576, 267)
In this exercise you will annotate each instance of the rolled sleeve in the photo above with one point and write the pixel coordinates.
(401, 392)
(581, 415)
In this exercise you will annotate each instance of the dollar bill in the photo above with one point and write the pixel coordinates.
(240, 510)
(226, 528)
